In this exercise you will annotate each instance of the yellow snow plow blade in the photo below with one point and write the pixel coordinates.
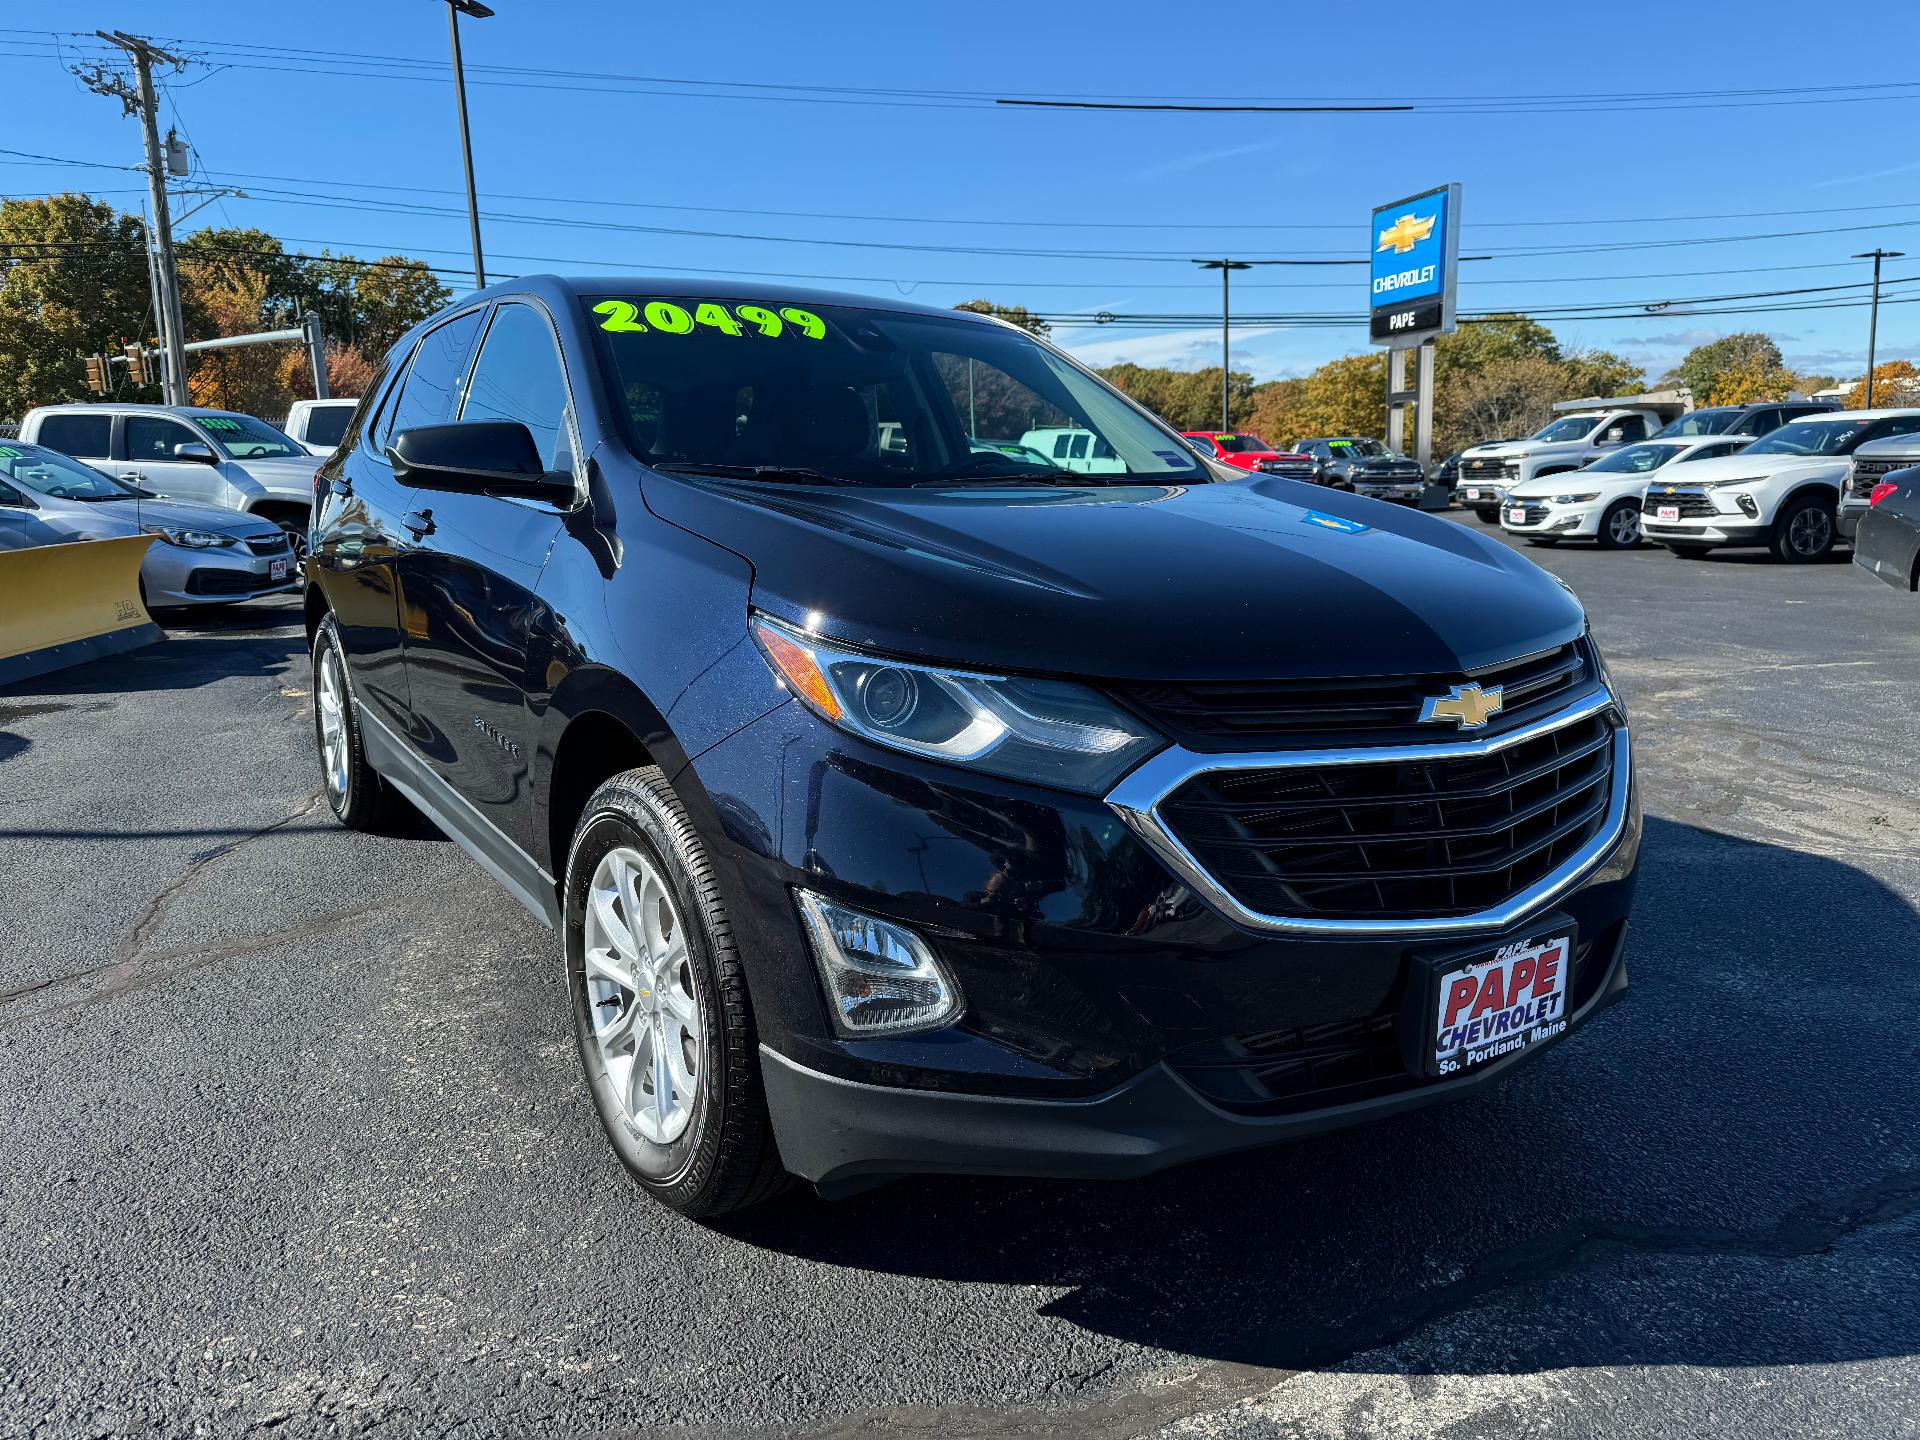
(64, 604)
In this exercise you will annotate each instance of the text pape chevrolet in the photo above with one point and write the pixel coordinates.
(920, 807)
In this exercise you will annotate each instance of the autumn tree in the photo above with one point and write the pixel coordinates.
(1751, 377)
(1702, 367)
(1012, 314)
(73, 282)
(1895, 382)
(1185, 399)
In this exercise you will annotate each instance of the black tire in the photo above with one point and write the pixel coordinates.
(1613, 521)
(1545, 542)
(1803, 531)
(1487, 517)
(1689, 552)
(726, 1158)
(359, 797)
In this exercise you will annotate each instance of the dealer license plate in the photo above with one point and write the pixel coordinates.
(1517, 516)
(1493, 1007)
(1666, 512)
(1473, 492)
(277, 570)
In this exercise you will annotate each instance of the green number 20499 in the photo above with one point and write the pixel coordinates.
(666, 318)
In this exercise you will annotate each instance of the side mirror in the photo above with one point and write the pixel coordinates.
(477, 457)
(194, 450)
(1613, 437)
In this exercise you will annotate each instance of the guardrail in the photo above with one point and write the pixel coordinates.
(64, 604)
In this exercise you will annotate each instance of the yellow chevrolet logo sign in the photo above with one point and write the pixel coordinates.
(1405, 233)
(1468, 706)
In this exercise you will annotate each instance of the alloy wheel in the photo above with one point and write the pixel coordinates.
(1623, 526)
(642, 995)
(330, 695)
(1810, 531)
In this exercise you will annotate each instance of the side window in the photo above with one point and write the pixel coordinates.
(11, 498)
(154, 437)
(1903, 425)
(518, 377)
(429, 394)
(1079, 450)
(1759, 422)
(84, 435)
(1060, 443)
(1625, 431)
(1707, 452)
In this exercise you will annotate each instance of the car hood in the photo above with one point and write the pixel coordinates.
(1264, 577)
(189, 515)
(1754, 467)
(1578, 482)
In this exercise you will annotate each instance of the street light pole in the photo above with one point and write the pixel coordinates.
(1224, 267)
(1873, 321)
(455, 9)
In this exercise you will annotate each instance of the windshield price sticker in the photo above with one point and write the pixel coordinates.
(218, 422)
(1495, 1007)
(8, 453)
(666, 317)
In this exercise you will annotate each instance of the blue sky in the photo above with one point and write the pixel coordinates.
(584, 161)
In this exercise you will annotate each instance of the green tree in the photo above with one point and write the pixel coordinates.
(73, 282)
(1185, 399)
(1749, 378)
(1012, 314)
(1600, 373)
(1703, 365)
(390, 298)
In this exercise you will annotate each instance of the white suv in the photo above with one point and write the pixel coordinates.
(1601, 501)
(1782, 491)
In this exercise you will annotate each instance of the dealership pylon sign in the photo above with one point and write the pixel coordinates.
(1415, 246)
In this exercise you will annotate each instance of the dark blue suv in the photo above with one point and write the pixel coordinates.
(903, 803)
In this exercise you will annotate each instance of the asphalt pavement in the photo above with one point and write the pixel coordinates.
(295, 1140)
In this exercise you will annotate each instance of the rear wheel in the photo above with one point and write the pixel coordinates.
(1620, 526)
(1803, 532)
(360, 799)
(660, 1006)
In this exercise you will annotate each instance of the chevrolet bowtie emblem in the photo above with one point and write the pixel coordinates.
(1468, 706)
(1405, 233)
(1669, 489)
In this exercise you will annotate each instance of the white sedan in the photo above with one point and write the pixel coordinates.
(1601, 501)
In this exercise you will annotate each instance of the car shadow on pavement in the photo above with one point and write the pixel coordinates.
(217, 647)
(1744, 1109)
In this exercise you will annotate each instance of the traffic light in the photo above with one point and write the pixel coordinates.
(136, 364)
(97, 374)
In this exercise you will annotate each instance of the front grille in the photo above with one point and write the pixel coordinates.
(1287, 467)
(1867, 473)
(1309, 1066)
(1694, 504)
(229, 582)
(1530, 514)
(1483, 468)
(277, 544)
(1400, 839)
(1216, 715)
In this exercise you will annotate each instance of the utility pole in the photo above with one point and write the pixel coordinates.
(1873, 321)
(139, 100)
(455, 9)
(1224, 267)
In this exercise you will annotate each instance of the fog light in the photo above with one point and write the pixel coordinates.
(1745, 502)
(881, 978)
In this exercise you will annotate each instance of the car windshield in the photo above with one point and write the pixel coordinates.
(1812, 437)
(868, 397)
(241, 437)
(1700, 422)
(47, 472)
(1573, 427)
(1365, 449)
(1242, 444)
(1635, 459)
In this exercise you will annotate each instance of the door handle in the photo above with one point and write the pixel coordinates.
(133, 475)
(417, 523)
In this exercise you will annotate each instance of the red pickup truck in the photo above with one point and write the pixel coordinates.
(1250, 452)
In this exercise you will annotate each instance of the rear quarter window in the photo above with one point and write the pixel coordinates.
(83, 435)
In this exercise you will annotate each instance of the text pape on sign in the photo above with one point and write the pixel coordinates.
(1497, 1006)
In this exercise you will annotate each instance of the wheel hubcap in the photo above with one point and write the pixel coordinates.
(1625, 526)
(1808, 532)
(641, 995)
(330, 695)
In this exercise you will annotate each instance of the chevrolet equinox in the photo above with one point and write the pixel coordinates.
(903, 803)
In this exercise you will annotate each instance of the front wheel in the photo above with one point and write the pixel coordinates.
(660, 1006)
(360, 799)
(1803, 533)
(1620, 526)
(1487, 517)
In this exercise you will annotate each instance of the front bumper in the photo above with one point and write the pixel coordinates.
(1096, 977)
(1573, 522)
(1390, 490)
(837, 1132)
(177, 576)
(1703, 532)
(1846, 519)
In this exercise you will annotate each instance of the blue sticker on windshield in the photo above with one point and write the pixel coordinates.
(1174, 462)
(1334, 522)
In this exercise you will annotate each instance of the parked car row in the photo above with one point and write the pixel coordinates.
(1704, 482)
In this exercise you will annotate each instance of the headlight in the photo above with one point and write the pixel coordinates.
(1048, 732)
(190, 539)
(1521, 455)
(1583, 499)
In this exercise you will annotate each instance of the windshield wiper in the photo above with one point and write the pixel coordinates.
(754, 472)
(1022, 477)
